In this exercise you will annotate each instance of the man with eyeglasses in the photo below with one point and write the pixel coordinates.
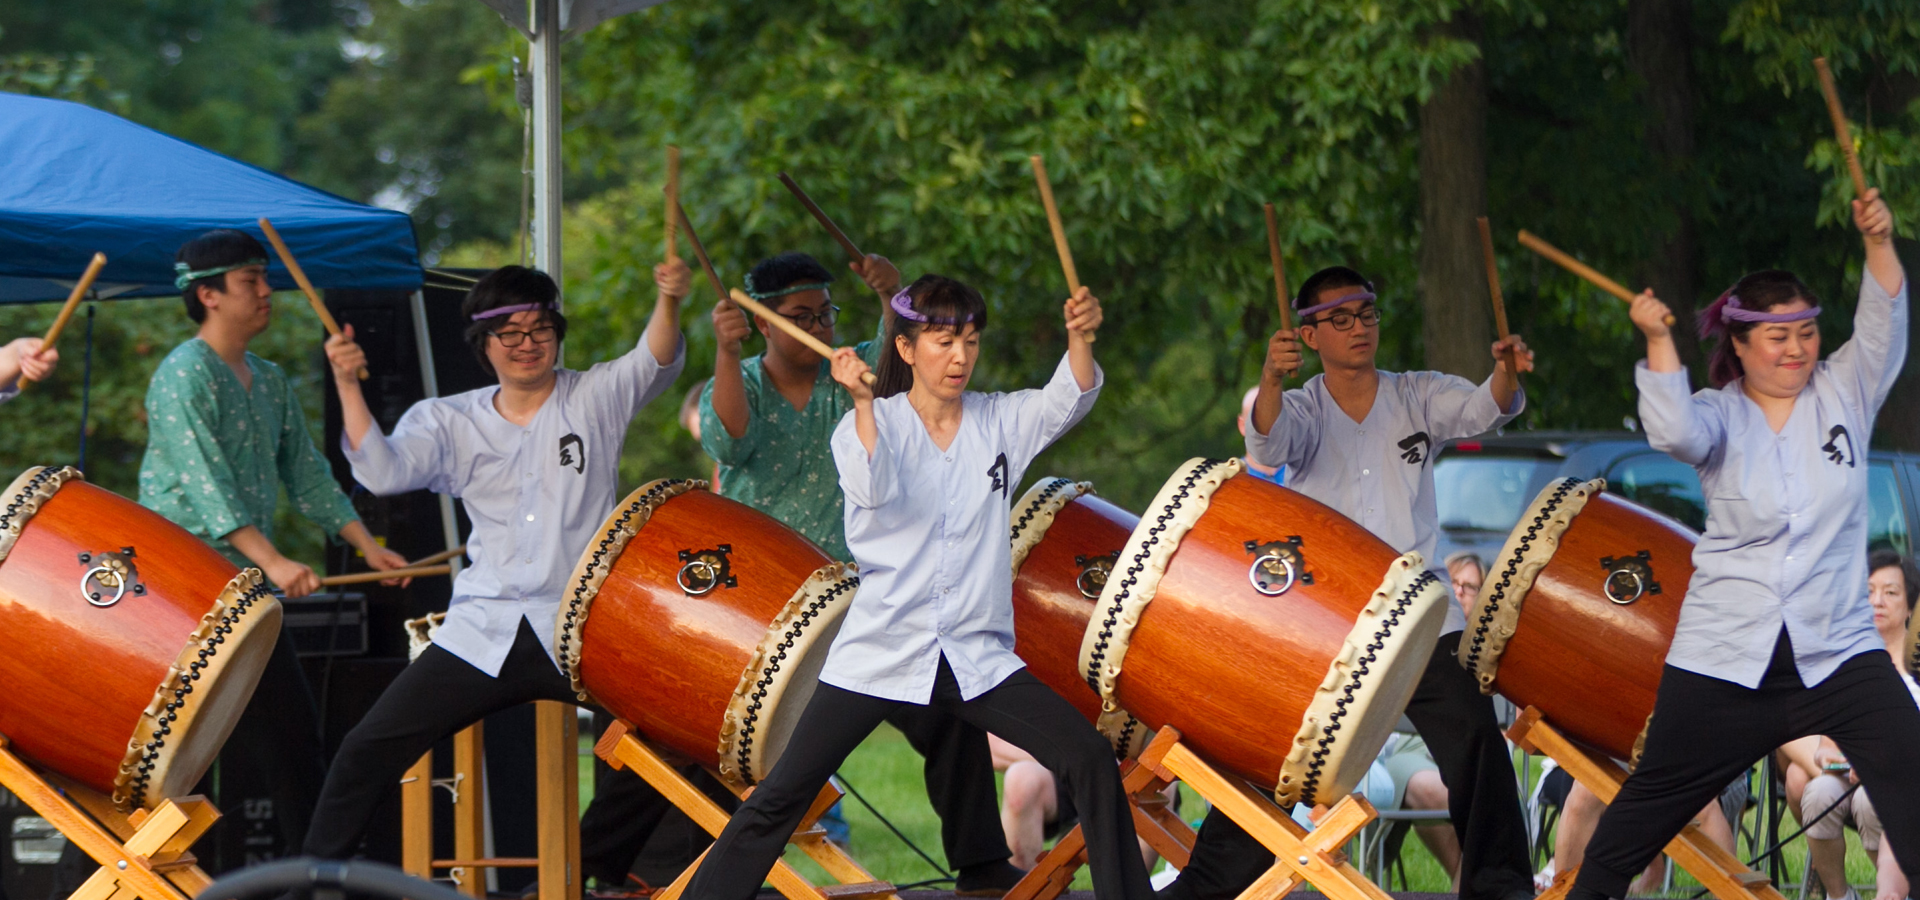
(536, 461)
(1362, 441)
(768, 420)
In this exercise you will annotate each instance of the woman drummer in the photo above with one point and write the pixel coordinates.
(928, 469)
(1776, 636)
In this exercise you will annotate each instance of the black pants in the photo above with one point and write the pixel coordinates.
(1706, 730)
(1021, 710)
(433, 698)
(278, 734)
(1482, 798)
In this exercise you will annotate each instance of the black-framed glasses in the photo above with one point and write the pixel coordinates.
(1342, 320)
(541, 335)
(825, 317)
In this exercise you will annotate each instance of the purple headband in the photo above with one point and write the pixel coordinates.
(1349, 298)
(902, 303)
(508, 310)
(1732, 311)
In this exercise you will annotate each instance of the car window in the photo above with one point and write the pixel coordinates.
(1886, 515)
(1479, 491)
(1663, 484)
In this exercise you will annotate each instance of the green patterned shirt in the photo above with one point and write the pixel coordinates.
(783, 465)
(217, 452)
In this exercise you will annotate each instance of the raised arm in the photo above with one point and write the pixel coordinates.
(1675, 422)
(1083, 315)
(1868, 363)
(728, 393)
(1283, 359)
(880, 275)
(1875, 221)
(864, 461)
(663, 329)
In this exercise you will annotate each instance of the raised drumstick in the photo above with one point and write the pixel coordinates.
(79, 293)
(1279, 268)
(673, 198)
(1493, 290)
(785, 324)
(700, 251)
(1531, 242)
(1059, 230)
(1841, 132)
(306, 287)
(839, 237)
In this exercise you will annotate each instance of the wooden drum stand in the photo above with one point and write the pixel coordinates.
(557, 809)
(1300, 856)
(1721, 872)
(141, 854)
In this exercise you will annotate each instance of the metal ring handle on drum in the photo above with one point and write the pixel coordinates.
(706, 571)
(1081, 583)
(93, 597)
(1253, 574)
(1639, 586)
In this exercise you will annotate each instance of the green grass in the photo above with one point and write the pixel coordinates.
(888, 773)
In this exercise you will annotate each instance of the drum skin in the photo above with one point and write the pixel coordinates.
(1050, 612)
(77, 677)
(669, 662)
(1591, 665)
(1232, 669)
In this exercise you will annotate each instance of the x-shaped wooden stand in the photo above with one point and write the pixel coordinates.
(1721, 872)
(622, 750)
(141, 855)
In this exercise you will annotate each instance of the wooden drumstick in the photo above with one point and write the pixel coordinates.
(1528, 240)
(673, 198)
(1279, 268)
(1841, 132)
(1059, 230)
(364, 577)
(300, 278)
(79, 293)
(1493, 290)
(839, 237)
(440, 557)
(700, 250)
(785, 324)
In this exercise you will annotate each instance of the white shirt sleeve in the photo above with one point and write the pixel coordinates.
(1866, 367)
(417, 455)
(1684, 426)
(869, 481)
(1295, 434)
(618, 388)
(1031, 420)
(1458, 408)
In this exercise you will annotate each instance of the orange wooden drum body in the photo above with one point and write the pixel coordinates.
(703, 622)
(131, 696)
(1065, 541)
(1589, 661)
(1255, 681)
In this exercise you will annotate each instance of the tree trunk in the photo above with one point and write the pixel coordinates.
(1458, 318)
(1659, 48)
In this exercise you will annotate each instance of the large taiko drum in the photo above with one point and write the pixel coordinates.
(1576, 613)
(1065, 540)
(1282, 639)
(132, 647)
(704, 623)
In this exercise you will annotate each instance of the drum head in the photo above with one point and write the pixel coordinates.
(777, 685)
(199, 707)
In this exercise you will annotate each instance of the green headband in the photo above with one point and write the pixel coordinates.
(184, 275)
(791, 289)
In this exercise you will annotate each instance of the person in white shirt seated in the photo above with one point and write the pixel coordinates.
(1823, 777)
(929, 470)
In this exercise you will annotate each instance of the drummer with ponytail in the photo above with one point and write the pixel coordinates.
(929, 469)
(1776, 638)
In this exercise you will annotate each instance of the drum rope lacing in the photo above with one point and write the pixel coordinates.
(749, 721)
(1138, 565)
(1360, 671)
(1498, 594)
(137, 790)
(1039, 503)
(610, 542)
(26, 502)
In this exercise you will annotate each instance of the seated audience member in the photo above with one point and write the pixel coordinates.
(1035, 809)
(1467, 573)
(1580, 812)
(1818, 778)
(1417, 785)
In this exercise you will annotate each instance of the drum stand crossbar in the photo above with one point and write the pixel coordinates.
(1721, 872)
(623, 750)
(142, 855)
(1301, 856)
(1153, 819)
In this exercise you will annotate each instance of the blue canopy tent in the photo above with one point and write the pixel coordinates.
(78, 180)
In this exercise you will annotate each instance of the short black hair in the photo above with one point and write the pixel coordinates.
(1889, 558)
(215, 249)
(1329, 277)
(509, 286)
(782, 271)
